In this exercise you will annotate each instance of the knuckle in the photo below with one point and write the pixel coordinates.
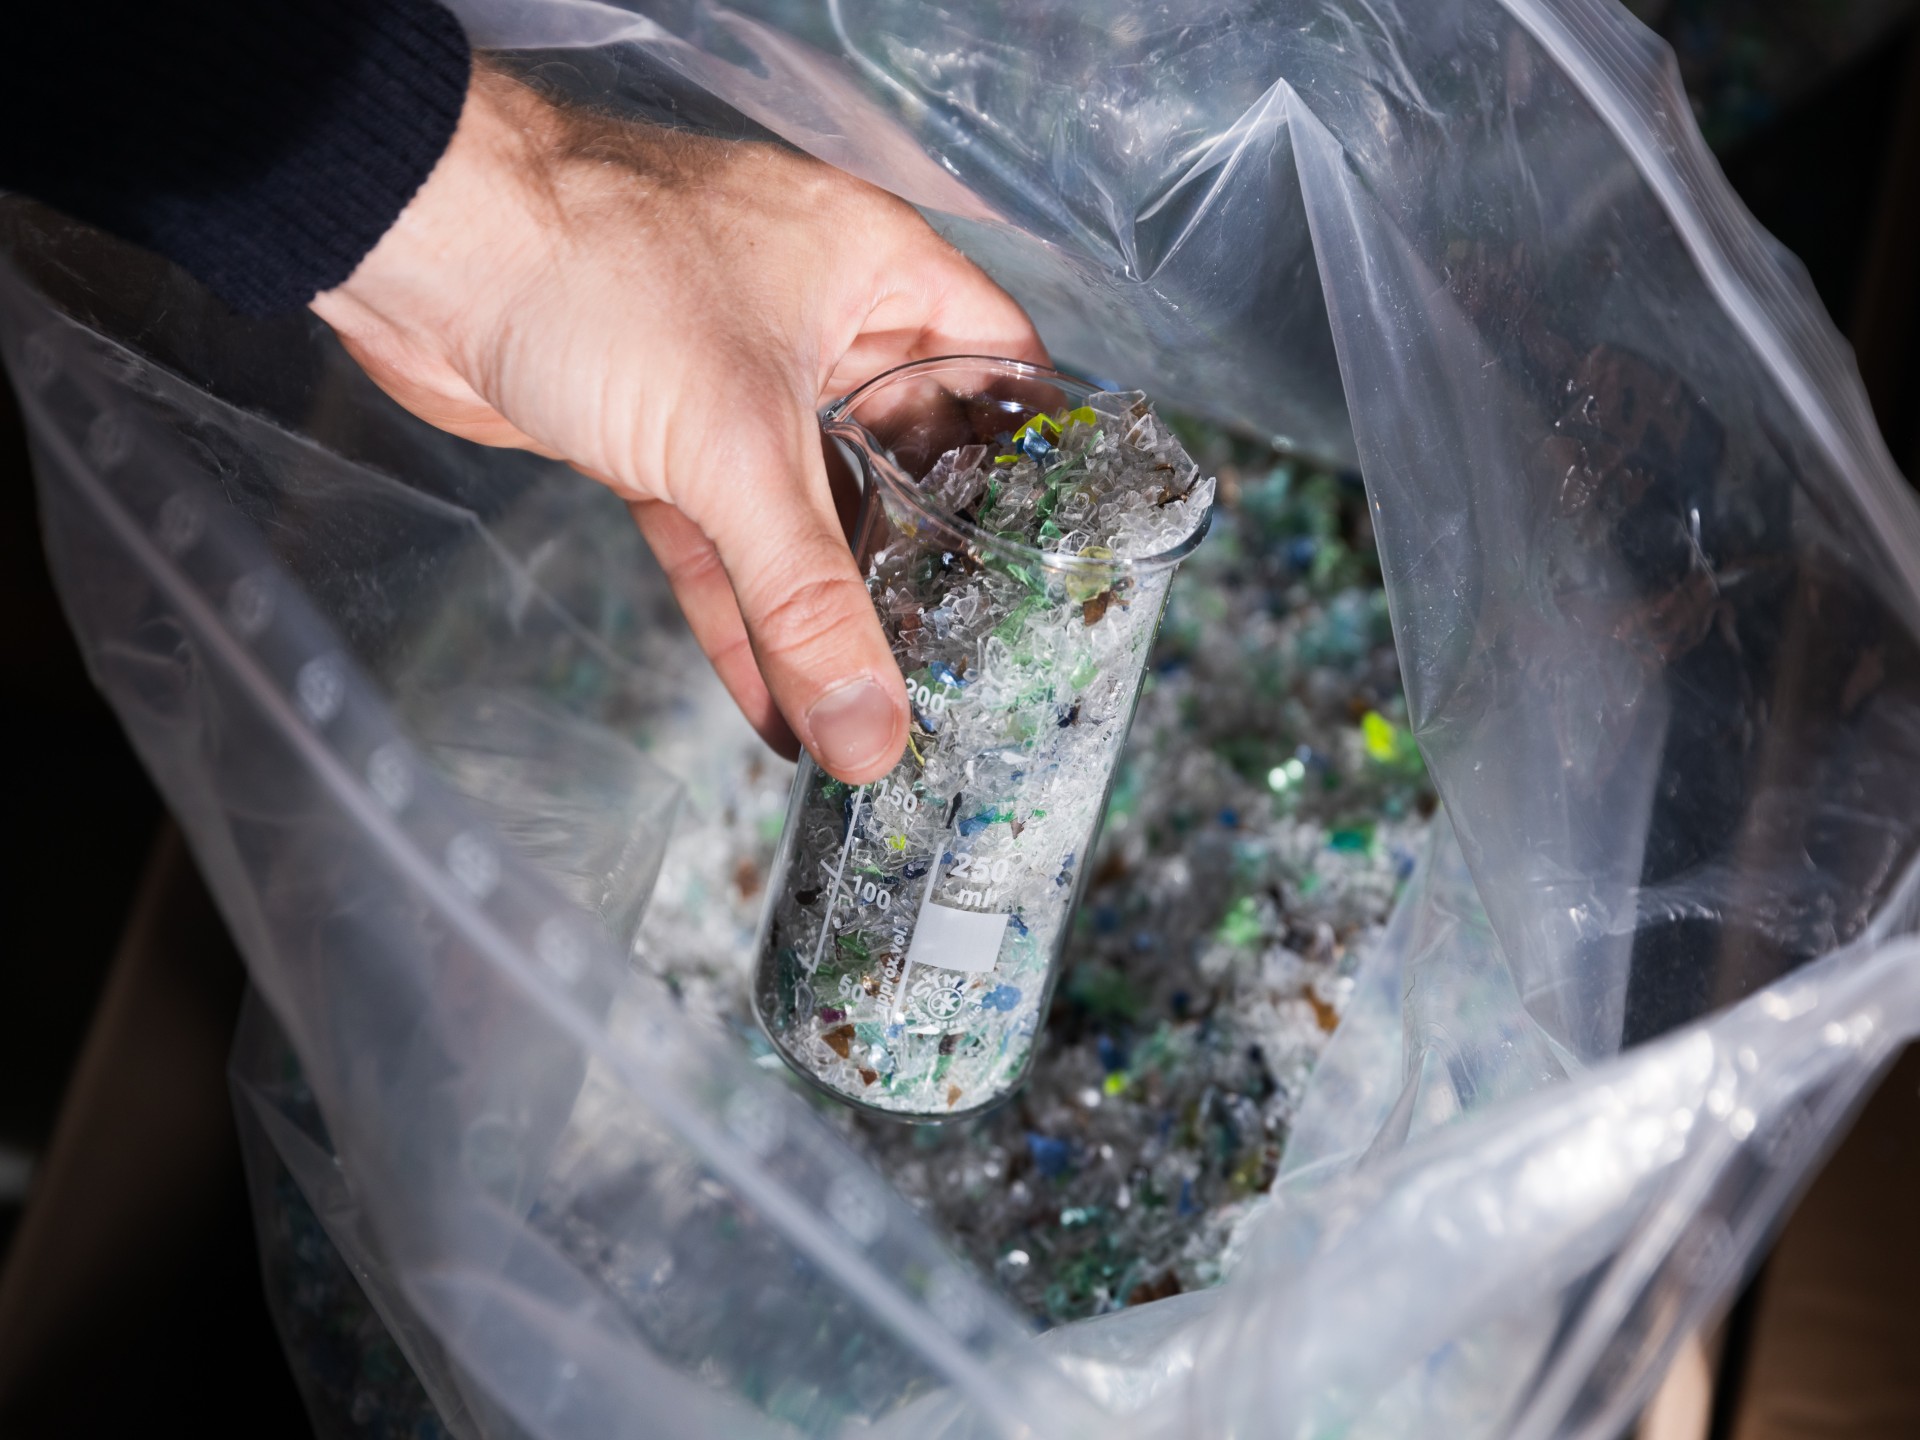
(693, 566)
(734, 649)
(808, 613)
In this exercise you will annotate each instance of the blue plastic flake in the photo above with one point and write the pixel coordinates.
(1050, 1156)
(1001, 997)
(1034, 446)
(944, 673)
(979, 821)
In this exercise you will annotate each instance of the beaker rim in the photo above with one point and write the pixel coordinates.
(837, 420)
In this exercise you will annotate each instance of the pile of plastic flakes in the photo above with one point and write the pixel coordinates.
(1269, 806)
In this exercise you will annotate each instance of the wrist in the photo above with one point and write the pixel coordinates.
(482, 217)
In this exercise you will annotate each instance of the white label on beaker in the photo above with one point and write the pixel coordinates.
(956, 939)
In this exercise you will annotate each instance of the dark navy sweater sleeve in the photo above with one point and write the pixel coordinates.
(263, 145)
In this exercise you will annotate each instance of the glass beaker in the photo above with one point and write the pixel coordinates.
(914, 925)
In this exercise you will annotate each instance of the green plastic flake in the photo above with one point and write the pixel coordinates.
(1352, 839)
(1383, 740)
(1242, 927)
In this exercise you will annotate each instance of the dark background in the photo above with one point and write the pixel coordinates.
(1814, 109)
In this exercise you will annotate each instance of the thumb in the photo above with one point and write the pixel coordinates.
(766, 504)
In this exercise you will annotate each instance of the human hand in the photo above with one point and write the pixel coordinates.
(666, 312)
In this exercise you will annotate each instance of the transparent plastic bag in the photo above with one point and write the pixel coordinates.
(1656, 589)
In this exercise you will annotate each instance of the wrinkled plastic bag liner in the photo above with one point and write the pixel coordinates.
(1654, 585)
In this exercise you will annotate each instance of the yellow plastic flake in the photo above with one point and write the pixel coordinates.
(1115, 1083)
(1085, 414)
(1037, 425)
(896, 842)
(1383, 741)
